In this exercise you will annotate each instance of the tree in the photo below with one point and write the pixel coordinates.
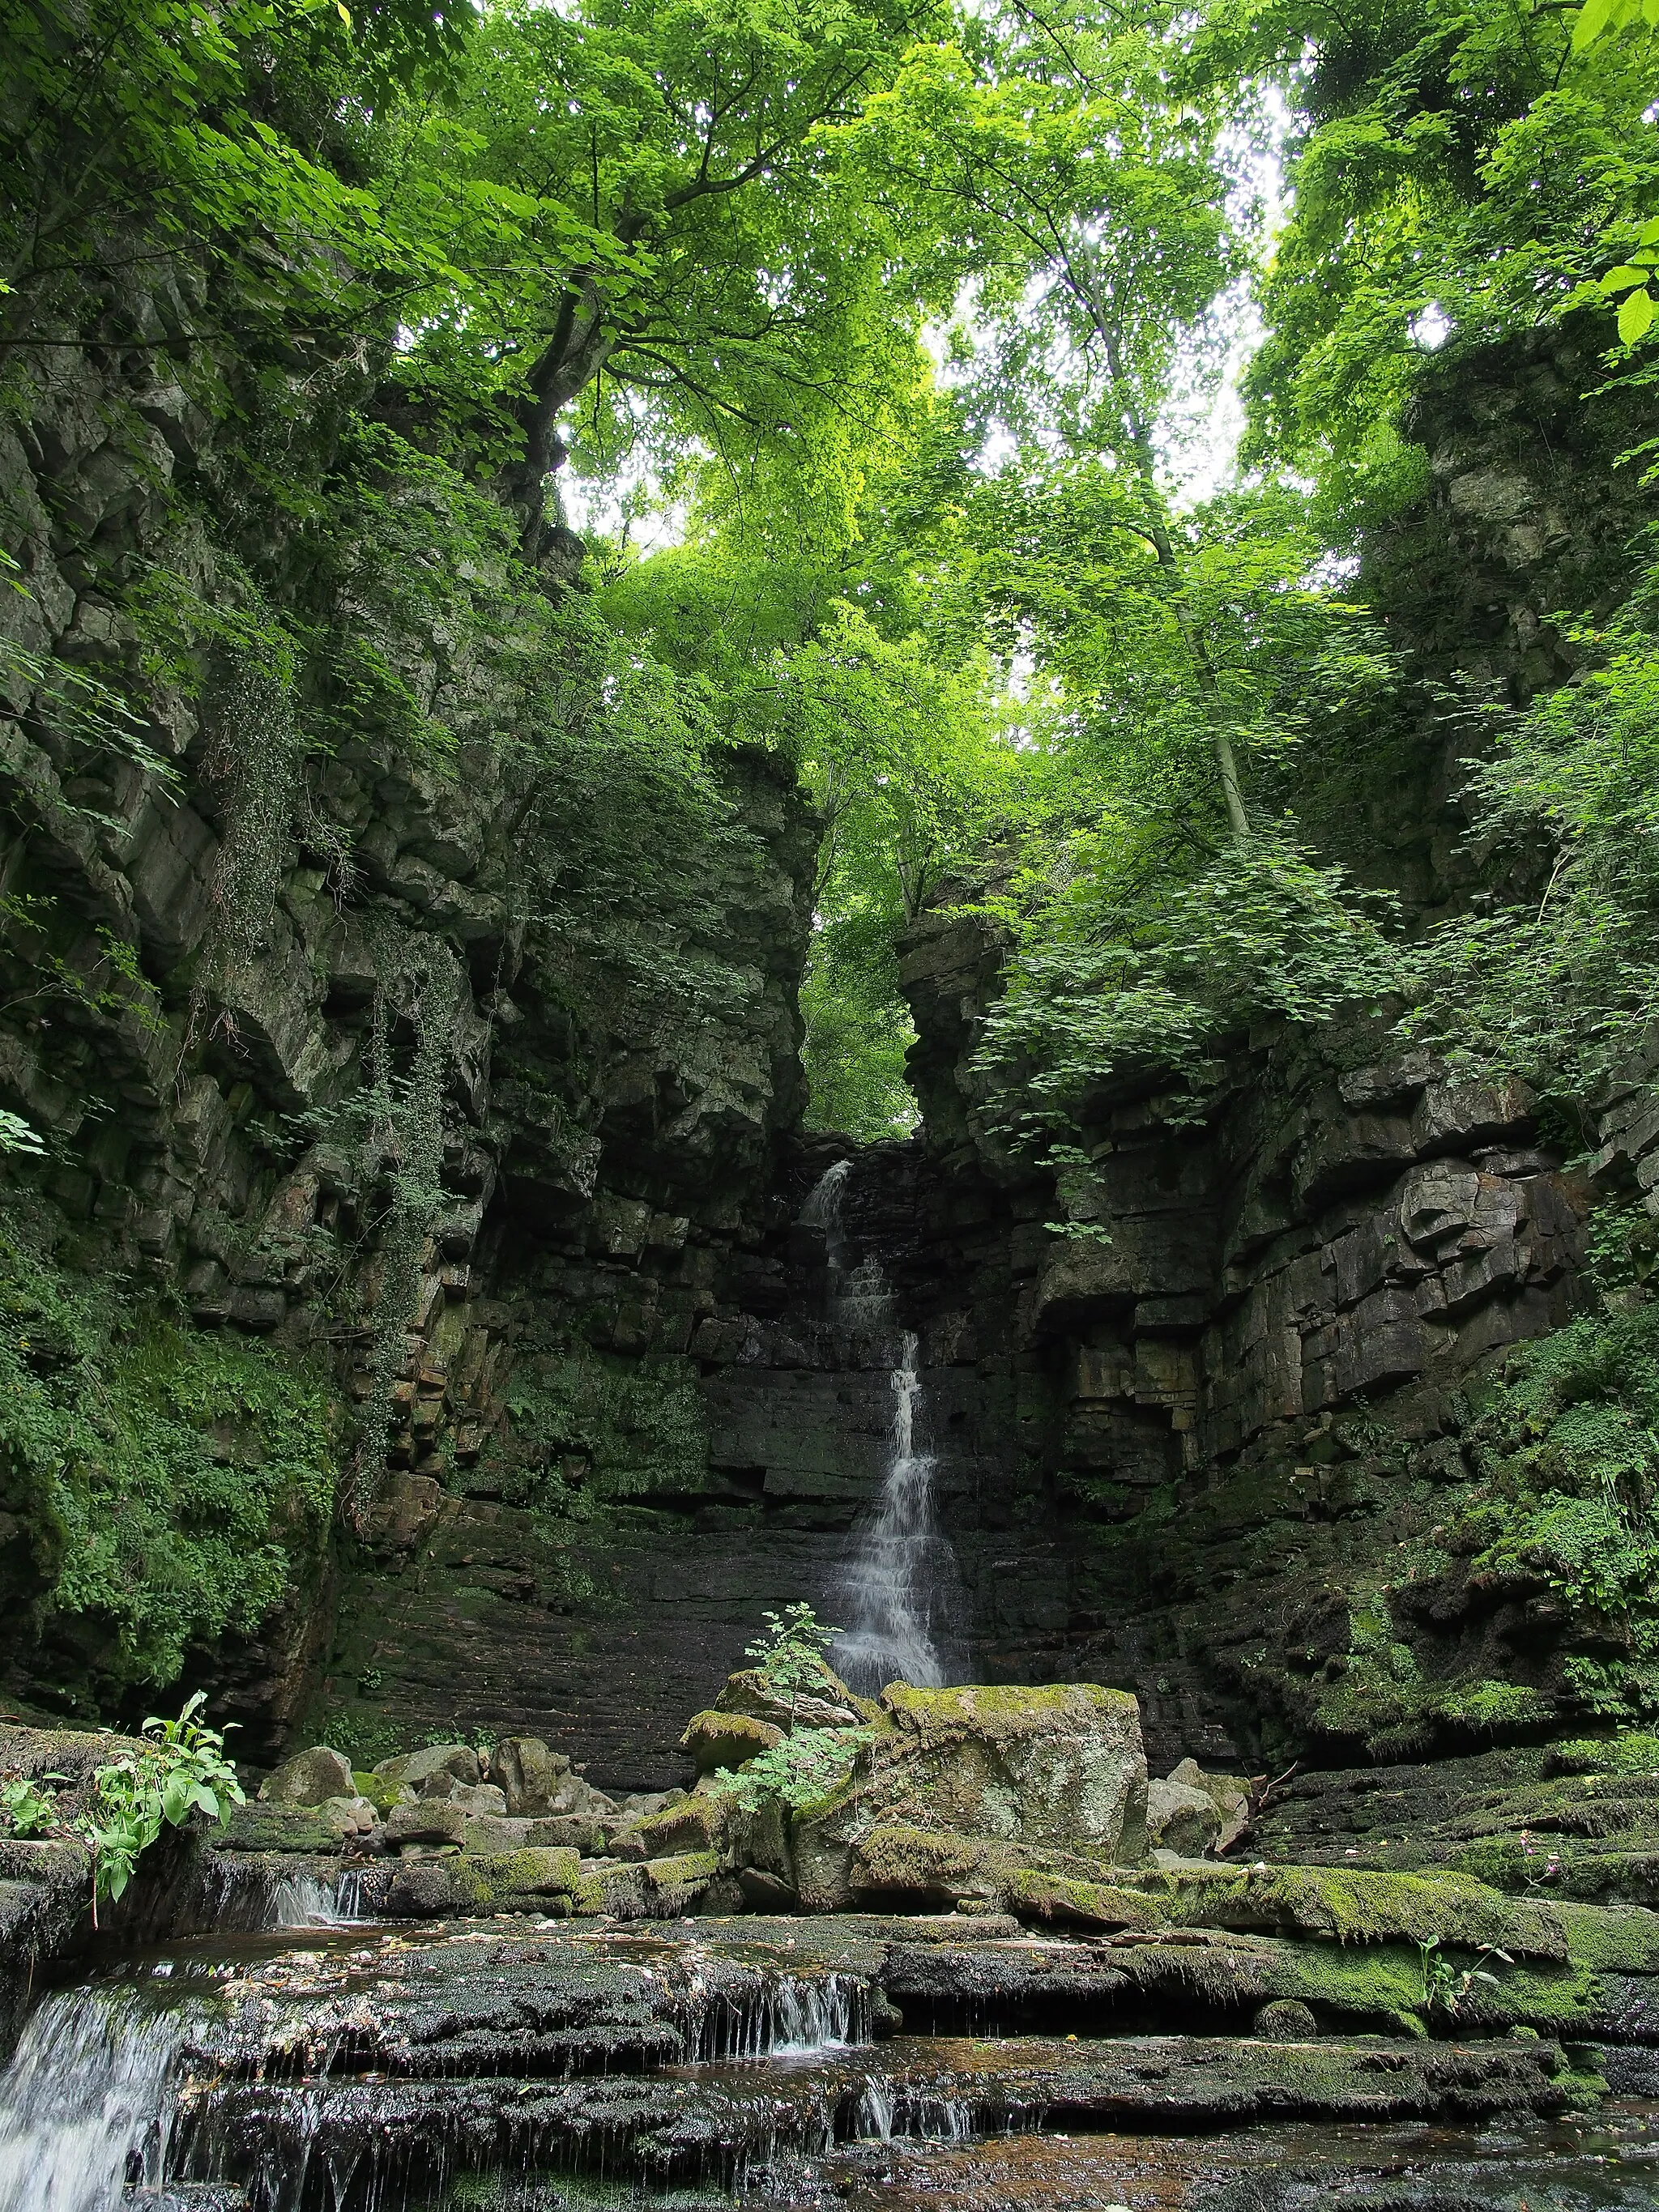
(646, 201)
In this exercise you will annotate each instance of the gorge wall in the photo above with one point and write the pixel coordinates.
(1207, 1437)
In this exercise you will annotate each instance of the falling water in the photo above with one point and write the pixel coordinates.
(900, 1587)
(901, 1591)
(83, 2104)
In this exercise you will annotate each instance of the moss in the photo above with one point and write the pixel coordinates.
(1384, 1983)
(1056, 1900)
(171, 1483)
(1625, 1940)
(1359, 1905)
(674, 1884)
(381, 1793)
(255, 1827)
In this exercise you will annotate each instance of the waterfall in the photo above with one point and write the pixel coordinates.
(900, 1587)
(901, 1591)
(84, 2105)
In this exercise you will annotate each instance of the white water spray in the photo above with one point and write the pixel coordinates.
(84, 2105)
(901, 1586)
(900, 1593)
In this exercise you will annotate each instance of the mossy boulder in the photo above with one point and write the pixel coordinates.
(1359, 1905)
(309, 1778)
(1057, 1900)
(1058, 1766)
(828, 1704)
(257, 1827)
(676, 1886)
(697, 1823)
(717, 1740)
(922, 1869)
(510, 1881)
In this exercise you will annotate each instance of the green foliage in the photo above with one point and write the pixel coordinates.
(806, 1765)
(1559, 987)
(584, 1431)
(182, 1771)
(26, 1809)
(170, 1482)
(1447, 1988)
(790, 1653)
(1115, 971)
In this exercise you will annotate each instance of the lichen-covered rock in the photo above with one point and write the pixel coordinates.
(1228, 1793)
(1058, 1766)
(1179, 1820)
(697, 1823)
(717, 1740)
(434, 1772)
(429, 1821)
(528, 1773)
(309, 1777)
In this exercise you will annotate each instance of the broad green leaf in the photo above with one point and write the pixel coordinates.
(1621, 279)
(1593, 18)
(1635, 315)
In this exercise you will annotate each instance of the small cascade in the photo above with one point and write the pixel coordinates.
(252, 1897)
(303, 1900)
(85, 2113)
(901, 1591)
(788, 2016)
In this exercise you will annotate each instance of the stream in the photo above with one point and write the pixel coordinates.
(501, 2066)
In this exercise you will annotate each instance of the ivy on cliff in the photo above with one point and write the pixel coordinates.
(170, 1484)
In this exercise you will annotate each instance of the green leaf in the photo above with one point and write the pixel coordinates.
(1621, 279)
(1635, 315)
(1593, 18)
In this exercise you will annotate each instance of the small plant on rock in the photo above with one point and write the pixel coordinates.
(182, 1769)
(26, 1809)
(1447, 1988)
(790, 1653)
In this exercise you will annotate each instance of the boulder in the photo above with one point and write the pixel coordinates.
(921, 1869)
(490, 1833)
(510, 1881)
(1228, 1793)
(831, 1705)
(528, 1773)
(432, 1773)
(352, 1818)
(479, 1797)
(1284, 2021)
(573, 1831)
(1058, 1766)
(430, 1820)
(1180, 1821)
(310, 1777)
(717, 1740)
